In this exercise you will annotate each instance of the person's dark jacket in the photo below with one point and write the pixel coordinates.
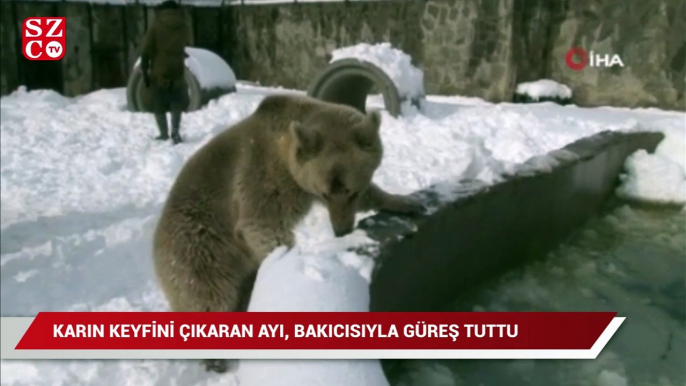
(163, 52)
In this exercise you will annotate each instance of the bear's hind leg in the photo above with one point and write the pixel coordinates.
(210, 280)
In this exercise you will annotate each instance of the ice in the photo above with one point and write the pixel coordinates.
(83, 183)
(544, 88)
(609, 378)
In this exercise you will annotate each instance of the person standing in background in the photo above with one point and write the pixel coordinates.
(162, 63)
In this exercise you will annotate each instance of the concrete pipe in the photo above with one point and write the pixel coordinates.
(349, 81)
(208, 77)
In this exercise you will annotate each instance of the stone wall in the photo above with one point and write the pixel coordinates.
(650, 38)
(477, 48)
(462, 46)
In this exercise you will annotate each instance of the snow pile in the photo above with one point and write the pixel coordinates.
(544, 88)
(210, 69)
(408, 79)
(326, 282)
(659, 177)
(653, 177)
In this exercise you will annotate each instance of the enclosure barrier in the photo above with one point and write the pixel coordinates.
(479, 232)
(208, 77)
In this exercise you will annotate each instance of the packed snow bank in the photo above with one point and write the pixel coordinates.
(654, 178)
(82, 184)
(408, 79)
(330, 281)
(659, 177)
(544, 88)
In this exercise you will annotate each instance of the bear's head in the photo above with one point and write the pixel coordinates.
(333, 154)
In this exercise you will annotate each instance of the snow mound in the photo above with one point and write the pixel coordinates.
(653, 177)
(544, 88)
(658, 177)
(408, 79)
(210, 69)
(83, 183)
(325, 282)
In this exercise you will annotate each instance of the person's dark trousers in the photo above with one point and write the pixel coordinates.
(171, 97)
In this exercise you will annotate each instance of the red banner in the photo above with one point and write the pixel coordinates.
(315, 330)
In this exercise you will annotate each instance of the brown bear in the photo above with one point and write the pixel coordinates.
(240, 196)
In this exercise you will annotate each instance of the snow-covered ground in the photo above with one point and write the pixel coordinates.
(82, 184)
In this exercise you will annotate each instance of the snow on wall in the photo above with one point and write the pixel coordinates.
(209, 69)
(408, 79)
(544, 88)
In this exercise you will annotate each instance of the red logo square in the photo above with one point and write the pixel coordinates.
(44, 38)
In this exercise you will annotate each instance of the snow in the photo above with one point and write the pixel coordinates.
(660, 177)
(209, 69)
(83, 183)
(654, 178)
(544, 88)
(326, 279)
(408, 79)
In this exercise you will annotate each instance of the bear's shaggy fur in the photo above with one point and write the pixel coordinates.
(241, 195)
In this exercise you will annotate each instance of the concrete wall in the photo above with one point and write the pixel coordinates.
(649, 36)
(482, 232)
(470, 47)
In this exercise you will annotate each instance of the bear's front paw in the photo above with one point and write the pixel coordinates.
(405, 205)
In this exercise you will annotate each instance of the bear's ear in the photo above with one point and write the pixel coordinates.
(306, 140)
(374, 117)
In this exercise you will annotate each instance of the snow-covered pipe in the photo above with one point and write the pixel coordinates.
(207, 74)
(325, 282)
(353, 72)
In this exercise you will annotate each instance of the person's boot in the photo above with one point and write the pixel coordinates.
(161, 119)
(176, 123)
(176, 137)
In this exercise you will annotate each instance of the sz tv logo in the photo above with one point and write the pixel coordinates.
(44, 38)
(590, 59)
